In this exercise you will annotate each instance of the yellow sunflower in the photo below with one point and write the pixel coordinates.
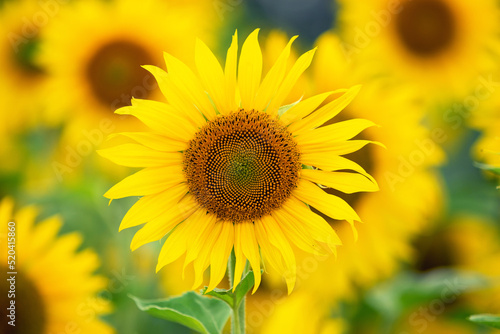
(394, 216)
(225, 167)
(487, 120)
(54, 284)
(20, 25)
(439, 45)
(93, 51)
(404, 169)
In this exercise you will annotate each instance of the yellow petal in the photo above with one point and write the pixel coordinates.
(330, 205)
(189, 84)
(135, 155)
(287, 85)
(339, 148)
(203, 260)
(150, 180)
(325, 113)
(176, 97)
(220, 254)
(267, 230)
(296, 231)
(250, 70)
(331, 162)
(343, 181)
(250, 249)
(154, 141)
(160, 117)
(150, 207)
(303, 108)
(230, 75)
(211, 75)
(315, 224)
(336, 132)
(158, 227)
(195, 243)
(273, 78)
(239, 256)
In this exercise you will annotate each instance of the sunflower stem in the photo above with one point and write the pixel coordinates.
(238, 320)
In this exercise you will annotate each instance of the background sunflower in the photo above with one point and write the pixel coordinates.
(440, 222)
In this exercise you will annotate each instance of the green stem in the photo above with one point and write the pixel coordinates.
(238, 320)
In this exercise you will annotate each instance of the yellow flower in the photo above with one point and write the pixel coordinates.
(54, 284)
(20, 26)
(439, 45)
(224, 169)
(93, 51)
(487, 120)
(21, 81)
(394, 215)
(298, 313)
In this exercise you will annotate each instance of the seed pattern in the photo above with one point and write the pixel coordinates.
(242, 166)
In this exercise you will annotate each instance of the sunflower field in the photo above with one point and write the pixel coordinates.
(250, 166)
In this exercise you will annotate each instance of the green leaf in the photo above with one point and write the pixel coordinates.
(408, 290)
(490, 168)
(244, 287)
(234, 299)
(202, 314)
(284, 109)
(222, 294)
(488, 320)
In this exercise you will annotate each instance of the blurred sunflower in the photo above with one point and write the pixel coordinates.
(405, 168)
(21, 80)
(227, 169)
(469, 243)
(308, 316)
(393, 215)
(55, 288)
(487, 120)
(439, 45)
(94, 49)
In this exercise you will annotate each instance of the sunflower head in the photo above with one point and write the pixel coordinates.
(226, 169)
(242, 166)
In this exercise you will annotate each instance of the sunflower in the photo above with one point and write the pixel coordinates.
(394, 215)
(439, 45)
(404, 169)
(54, 284)
(308, 314)
(21, 81)
(487, 120)
(227, 167)
(93, 51)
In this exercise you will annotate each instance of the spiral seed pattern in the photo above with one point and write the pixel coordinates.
(242, 166)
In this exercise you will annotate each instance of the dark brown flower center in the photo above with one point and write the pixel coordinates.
(426, 27)
(115, 75)
(242, 166)
(30, 312)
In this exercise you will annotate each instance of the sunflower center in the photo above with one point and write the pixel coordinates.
(31, 317)
(242, 166)
(114, 73)
(426, 27)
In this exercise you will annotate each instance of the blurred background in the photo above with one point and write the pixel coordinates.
(428, 253)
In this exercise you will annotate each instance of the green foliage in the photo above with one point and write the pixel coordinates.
(202, 314)
(488, 320)
(234, 299)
